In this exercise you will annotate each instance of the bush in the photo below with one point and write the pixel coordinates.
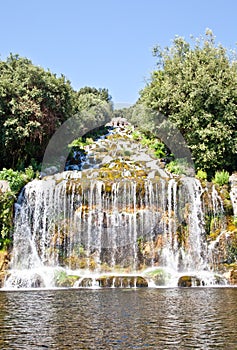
(6, 218)
(201, 175)
(178, 167)
(151, 142)
(17, 179)
(174, 167)
(221, 178)
(81, 142)
(136, 135)
(159, 148)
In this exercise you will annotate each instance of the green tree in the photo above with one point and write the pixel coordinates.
(92, 92)
(94, 107)
(33, 103)
(195, 87)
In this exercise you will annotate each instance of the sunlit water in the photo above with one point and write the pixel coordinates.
(195, 318)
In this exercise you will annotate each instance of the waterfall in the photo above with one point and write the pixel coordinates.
(197, 252)
(170, 250)
(78, 222)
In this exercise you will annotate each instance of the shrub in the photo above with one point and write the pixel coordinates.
(17, 179)
(178, 167)
(6, 218)
(159, 148)
(81, 142)
(221, 178)
(174, 167)
(201, 175)
(136, 135)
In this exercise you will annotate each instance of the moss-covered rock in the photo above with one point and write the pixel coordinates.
(141, 282)
(189, 281)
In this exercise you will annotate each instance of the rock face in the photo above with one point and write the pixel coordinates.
(4, 260)
(233, 276)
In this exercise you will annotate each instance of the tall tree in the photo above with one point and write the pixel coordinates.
(33, 103)
(94, 107)
(101, 93)
(195, 87)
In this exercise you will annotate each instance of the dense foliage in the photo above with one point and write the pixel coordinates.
(33, 103)
(6, 218)
(88, 97)
(17, 179)
(196, 89)
(94, 107)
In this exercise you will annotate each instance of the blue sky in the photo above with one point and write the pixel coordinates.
(108, 43)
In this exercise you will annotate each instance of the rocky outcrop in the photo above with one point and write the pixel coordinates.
(233, 275)
(4, 261)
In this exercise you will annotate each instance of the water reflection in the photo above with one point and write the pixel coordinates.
(197, 318)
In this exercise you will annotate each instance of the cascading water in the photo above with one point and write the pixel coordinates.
(122, 222)
(81, 224)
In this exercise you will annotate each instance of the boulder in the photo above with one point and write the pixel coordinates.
(189, 281)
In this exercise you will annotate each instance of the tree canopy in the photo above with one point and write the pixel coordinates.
(93, 107)
(33, 103)
(89, 96)
(195, 87)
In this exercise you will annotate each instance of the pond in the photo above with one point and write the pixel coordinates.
(132, 318)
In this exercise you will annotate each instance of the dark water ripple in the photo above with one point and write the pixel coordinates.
(197, 318)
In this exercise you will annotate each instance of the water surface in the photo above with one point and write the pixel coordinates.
(195, 318)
